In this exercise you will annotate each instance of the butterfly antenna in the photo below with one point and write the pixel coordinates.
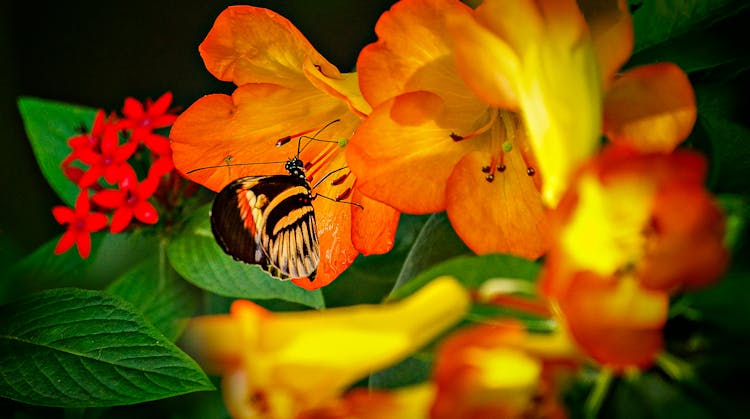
(314, 137)
(231, 165)
(317, 195)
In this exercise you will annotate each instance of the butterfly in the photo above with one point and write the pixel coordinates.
(269, 221)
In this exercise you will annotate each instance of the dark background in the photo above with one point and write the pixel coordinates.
(98, 53)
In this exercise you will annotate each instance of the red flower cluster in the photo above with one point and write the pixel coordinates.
(102, 157)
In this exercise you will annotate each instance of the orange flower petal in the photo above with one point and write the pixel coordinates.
(243, 128)
(255, 45)
(403, 156)
(397, 64)
(617, 322)
(343, 86)
(502, 216)
(687, 248)
(374, 226)
(486, 63)
(611, 29)
(213, 342)
(651, 108)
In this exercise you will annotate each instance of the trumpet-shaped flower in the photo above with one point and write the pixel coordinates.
(500, 370)
(431, 144)
(276, 365)
(558, 69)
(631, 230)
(285, 90)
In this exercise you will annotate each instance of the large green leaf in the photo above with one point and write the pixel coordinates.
(111, 255)
(370, 278)
(49, 125)
(195, 255)
(436, 242)
(77, 348)
(473, 271)
(412, 370)
(164, 299)
(656, 21)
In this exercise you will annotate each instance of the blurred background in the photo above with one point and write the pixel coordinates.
(98, 53)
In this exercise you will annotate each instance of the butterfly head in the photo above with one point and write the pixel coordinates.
(295, 167)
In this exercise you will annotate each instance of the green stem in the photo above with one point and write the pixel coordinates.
(674, 367)
(598, 393)
(163, 265)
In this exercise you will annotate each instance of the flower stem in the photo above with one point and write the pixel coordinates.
(596, 398)
(163, 266)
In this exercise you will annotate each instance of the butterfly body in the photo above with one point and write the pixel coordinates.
(269, 221)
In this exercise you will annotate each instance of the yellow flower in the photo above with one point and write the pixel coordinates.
(276, 365)
(560, 71)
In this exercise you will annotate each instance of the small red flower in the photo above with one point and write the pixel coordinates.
(88, 141)
(81, 223)
(111, 161)
(142, 119)
(128, 202)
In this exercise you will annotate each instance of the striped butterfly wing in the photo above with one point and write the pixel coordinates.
(268, 221)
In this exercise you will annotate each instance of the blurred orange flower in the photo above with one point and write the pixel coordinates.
(500, 370)
(278, 365)
(430, 144)
(558, 70)
(285, 88)
(631, 230)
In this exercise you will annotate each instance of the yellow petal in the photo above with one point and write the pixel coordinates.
(344, 86)
(605, 232)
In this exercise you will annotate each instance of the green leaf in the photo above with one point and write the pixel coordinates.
(435, 243)
(370, 278)
(49, 125)
(656, 21)
(472, 271)
(654, 396)
(111, 255)
(163, 299)
(77, 348)
(730, 143)
(195, 255)
(412, 370)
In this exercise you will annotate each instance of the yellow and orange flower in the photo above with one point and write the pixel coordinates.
(278, 365)
(632, 229)
(285, 88)
(430, 144)
(557, 64)
(488, 371)
(501, 370)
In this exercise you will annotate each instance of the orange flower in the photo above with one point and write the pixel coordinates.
(430, 144)
(500, 370)
(631, 230)
(558, 69)
(285, 88)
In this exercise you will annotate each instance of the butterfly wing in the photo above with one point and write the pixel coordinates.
(268, 221)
